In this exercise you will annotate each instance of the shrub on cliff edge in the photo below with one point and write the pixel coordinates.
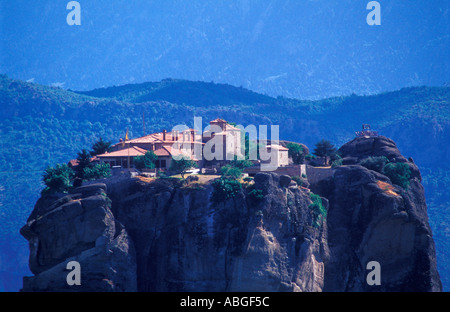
(224, 189)
(318, 211)
(398, 173)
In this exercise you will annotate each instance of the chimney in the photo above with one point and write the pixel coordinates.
(164, 135)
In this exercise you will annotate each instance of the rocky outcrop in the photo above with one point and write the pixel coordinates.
(165, 236)
(78, 227)
(132, 234)
(370, 219)
(185, 242)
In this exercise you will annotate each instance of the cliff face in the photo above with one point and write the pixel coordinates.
(78, 227)
(132, 235)
(371, 219)
(161, 236)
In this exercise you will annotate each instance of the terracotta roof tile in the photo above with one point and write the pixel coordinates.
(218, 120)
(162, 152)
(132, 152)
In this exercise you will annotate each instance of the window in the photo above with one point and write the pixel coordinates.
(163, 164)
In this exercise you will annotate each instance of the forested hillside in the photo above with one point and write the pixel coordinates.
(42, 126)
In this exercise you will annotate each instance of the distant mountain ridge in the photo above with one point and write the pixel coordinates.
(192, 93)
(41, 126)
(301, 49)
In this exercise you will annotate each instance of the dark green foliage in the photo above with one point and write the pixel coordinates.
(235, 168)
(241, 164)
(231, 172)
(301, 181)
(182, 165)
(58, 179)
(100, 147)
(324, 148)
(376, 163)
(98, 171)
(224, 189)
(146, 161)
(318, 211)
(337, 163)
(255, 196)
(336, 160)
(296, 152)
(398, 173)
(84, 161)
(189, 93)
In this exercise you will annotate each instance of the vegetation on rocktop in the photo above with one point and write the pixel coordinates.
(376, 163)
(324, 148)
(146, 161)
(301, 181)
(62, 178)
(101, 147)
(296, 152)
(58, 179)
(398, 173)
(224, 189)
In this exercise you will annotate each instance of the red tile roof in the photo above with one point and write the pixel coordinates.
(162, 152)
(218, 120)
(75, 162)
(132, 152)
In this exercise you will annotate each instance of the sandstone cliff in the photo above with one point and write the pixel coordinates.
(129, 234)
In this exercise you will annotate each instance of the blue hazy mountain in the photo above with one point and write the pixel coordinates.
(303, 49)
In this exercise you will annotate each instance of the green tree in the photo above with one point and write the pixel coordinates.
(58, 179)
(231, 172)
(296, 152)
(84, 161)
(324, 148)
(147, 161)
(182, 165)
(241, 164)
(301, 181)
(376, 163)
(224, 189)
(255, 195)
(97, 172)
(318, 211)
(398, 173)
(100, 147)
